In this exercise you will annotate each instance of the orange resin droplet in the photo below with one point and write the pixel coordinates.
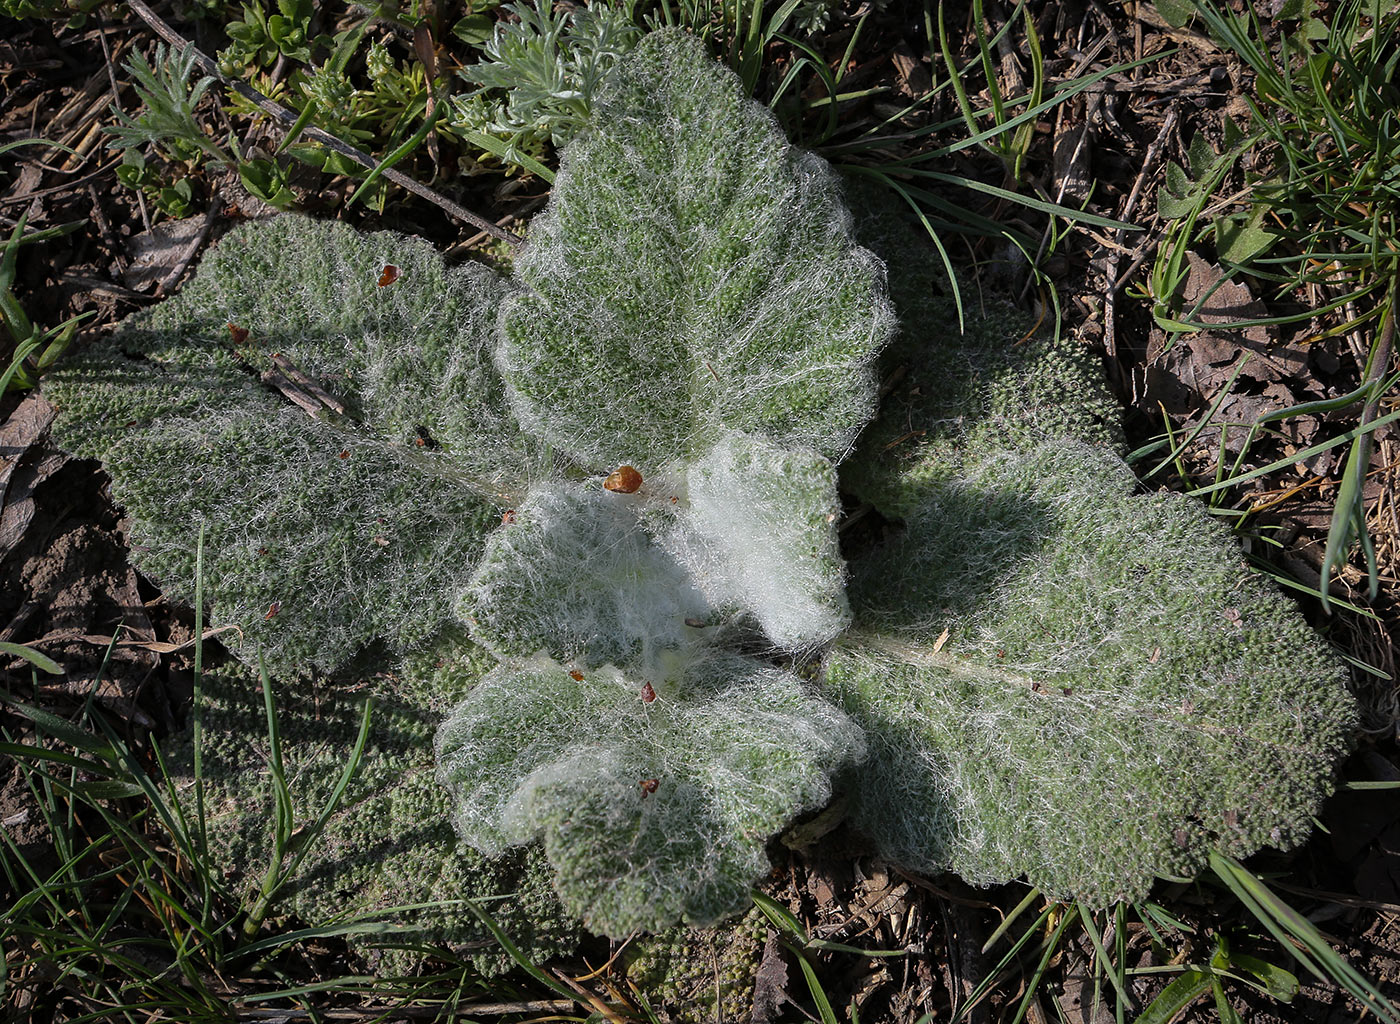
(623, 480)
(238, 334)
(388, 275)
(576, 675)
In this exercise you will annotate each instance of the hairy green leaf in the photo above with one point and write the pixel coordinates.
(692, 274)
(1061, 678)
(653, 804)
(637, 580)
(324, 532)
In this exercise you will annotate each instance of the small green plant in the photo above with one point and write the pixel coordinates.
(540, 74)
(619, 468)
(391, 113)
(34, 350)
(167, 119)
(258, 40)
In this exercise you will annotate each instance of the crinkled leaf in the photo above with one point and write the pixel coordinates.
(1071, 682)
(322, 534)
(692, 274)
(650, 811)
(576, 574)
(758, 534)
(1060, 678)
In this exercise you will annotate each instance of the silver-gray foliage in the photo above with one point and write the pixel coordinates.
(322, 533)
(1074, 682)
(693, 273)
(653, 803)
(1046, 674)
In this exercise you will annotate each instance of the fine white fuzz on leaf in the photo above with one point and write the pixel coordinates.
(322, 534)
(1116, 697)
(693, 273)
(652, 808)
(759, 535)
(575, 573)
(636, 580)
(1061, 679)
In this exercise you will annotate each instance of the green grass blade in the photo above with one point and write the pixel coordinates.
(985, 985)
(981, 138)
(1113, 968)
(814, 985)
(1180, 993)
(197, 711)
(40, 661)
(1306, 453)
(959, 89)
(1010, 919)
(1348, 520)
(1033, 984)
(309, 836)
(503, 150)
(1021, 199)
(23, 751)
(66, 732)
(1210, 415)
(1300, 937)
(408, 146)
(780, 917)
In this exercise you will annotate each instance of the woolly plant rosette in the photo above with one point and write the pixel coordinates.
(1045, 674)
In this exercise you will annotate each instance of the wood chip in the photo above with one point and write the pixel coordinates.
(307, 384)
(308, 403)
(770, 983)
(157, 253)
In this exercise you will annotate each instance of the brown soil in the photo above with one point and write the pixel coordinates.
(69, 591)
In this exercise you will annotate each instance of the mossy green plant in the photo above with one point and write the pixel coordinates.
(1044, 674)
(387, 857)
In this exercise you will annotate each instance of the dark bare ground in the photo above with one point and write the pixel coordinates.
(68, 589)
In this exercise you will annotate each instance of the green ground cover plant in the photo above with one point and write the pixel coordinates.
(619, 469)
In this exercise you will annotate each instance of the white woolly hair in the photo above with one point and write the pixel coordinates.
(732, 298)
(1080, 685)
(759, 535)
(575, 573)
(650, 810)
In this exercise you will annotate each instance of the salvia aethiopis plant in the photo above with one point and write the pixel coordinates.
(620, 468)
